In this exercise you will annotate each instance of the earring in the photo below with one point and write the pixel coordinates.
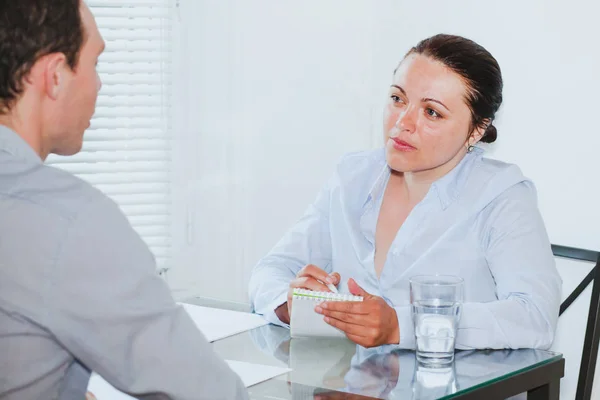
(470, 148)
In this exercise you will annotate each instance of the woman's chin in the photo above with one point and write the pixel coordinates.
(399, 162)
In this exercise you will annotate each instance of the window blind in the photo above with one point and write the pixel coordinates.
(126, 151)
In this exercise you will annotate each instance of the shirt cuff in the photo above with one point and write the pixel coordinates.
(407, 330)
(270, 315)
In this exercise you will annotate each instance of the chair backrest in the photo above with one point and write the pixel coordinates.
(571, 339)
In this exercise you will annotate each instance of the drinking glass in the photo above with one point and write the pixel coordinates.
(436, 306)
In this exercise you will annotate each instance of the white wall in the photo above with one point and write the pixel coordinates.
(274, 92)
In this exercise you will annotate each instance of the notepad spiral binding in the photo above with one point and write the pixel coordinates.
(305, 294)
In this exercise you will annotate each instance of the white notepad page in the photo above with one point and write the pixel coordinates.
(217, 324)
(306, 322)
(251, 374)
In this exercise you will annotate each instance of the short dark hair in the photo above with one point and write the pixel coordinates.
(29, 30)
(478, 68)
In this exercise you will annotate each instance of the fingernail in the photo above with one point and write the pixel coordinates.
(329, 279)
(319, 309)
(323, 305)
(327, 319)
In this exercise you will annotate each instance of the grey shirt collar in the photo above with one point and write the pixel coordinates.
(12, 143)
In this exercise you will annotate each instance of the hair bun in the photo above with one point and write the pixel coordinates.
(490, 135)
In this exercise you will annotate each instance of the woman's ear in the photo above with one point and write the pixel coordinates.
(478, 132)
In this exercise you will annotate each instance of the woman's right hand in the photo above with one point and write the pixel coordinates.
(310, 277)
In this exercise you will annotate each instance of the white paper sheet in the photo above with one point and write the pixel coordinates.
(103, 390)
(251, 374)
(217, 324)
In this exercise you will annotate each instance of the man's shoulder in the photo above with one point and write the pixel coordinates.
(50, 190)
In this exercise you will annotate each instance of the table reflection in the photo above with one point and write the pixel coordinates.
(322, 368)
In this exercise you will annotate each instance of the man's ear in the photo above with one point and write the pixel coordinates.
(53, 72)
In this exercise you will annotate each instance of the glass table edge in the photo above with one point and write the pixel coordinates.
(556, 357)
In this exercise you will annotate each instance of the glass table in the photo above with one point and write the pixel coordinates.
(339, 369)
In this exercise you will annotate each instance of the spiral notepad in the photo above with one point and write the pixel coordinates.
(306, 322)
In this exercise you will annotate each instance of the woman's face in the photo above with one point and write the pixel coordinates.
(426, 120)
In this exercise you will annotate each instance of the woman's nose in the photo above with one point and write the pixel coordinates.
(406, 120)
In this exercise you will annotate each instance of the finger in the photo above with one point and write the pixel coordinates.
(310, 283)
(348, 328)
(90, 396)
(336, 277)
(314, 271)
(361, 340)
(319, 274)
(355, 319)
(351, 307)
(356, 290)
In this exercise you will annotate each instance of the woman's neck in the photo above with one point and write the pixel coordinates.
(416, 184)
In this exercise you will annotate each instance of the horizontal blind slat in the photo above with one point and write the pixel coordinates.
(121, 90)
(111, 178)
(134, 187)
(132, 23)
(141, 220)
(129, 67)
(131, 112)
(123, 134)
(145, 209)
(158, 242)
(151, 231)
(131, 199)
(127, 3)
(131, 12)
(132, 123)
(133, 100)
(111, 35)
(125, 78)
(141, 160)
(134, 56)
(130, 144)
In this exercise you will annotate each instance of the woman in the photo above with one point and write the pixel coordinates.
(428, 203)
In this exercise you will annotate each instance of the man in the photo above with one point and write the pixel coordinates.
(78, 288)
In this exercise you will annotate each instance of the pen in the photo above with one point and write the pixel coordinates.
(332, 288)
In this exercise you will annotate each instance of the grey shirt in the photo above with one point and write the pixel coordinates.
(79, 292)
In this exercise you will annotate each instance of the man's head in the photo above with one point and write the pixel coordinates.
(48, 81)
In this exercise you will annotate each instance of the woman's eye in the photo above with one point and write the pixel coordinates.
(396, 99)
(432, 113)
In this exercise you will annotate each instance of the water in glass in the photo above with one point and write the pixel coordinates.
(436, 306)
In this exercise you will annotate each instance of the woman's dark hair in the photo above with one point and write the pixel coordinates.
(478, 68)
(29, 30)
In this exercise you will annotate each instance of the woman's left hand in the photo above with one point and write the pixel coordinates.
(369, 323)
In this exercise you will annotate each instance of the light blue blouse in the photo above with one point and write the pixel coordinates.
(480, 222)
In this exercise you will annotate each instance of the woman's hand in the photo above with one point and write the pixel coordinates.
(369, 323)
(310, 277)
(90, 396)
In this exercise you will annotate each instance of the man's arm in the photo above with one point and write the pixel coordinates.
(112, 311)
